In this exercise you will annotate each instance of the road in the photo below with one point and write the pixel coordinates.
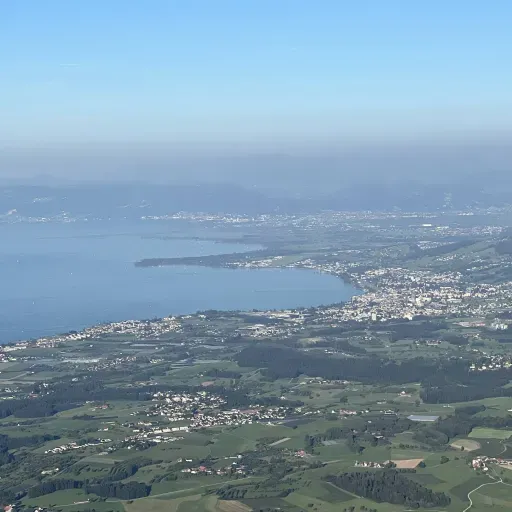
(181, 491)
(192, 489)
(500, 481)
(280, 441)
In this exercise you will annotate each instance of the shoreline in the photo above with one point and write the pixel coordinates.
(214, 260)
(162, 319)
(240, 260)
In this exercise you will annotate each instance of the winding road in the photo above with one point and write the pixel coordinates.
(500, 481)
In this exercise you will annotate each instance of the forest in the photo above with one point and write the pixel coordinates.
(442, 381)
(461, 423)
(280, 362)
(389, 486)
(128, 491)
(108, 487)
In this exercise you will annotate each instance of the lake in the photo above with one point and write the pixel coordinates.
(56, 277)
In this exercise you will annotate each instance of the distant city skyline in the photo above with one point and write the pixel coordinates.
(150, 89)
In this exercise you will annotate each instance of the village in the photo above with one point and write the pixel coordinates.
(205, 410)
(482, 463)
(75, 446)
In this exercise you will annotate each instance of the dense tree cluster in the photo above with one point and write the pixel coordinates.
(389, 486)
(329, 435)
(455, 339)
(12, 443)
(341, 345)
(236, 398)
(105, 489)
(504, 247)
(414, 330)
(446, 249)
(431, 436)
(453, 382)
(358, 433)
(54, 485)
(222, 374)
(5, 456)
(461, 423)
(129, 491)
(442, 381)
(231, 493)
(66, 394)
(282, 362)
(128, 468)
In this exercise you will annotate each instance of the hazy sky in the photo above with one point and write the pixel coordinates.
(237, 77)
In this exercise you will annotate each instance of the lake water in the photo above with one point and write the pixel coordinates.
(59, 277)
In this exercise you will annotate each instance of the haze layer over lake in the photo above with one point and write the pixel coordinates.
(58, 277)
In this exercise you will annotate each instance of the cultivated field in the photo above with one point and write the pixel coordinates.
(407, 464)
(469, 445)
(490, 433)
(232, 506)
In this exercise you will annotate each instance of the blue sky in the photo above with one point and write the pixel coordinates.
(261, 73)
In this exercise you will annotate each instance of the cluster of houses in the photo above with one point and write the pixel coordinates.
(482, 463)
(205, 410)
(180, 407)
(138, 328)
(391, 293)
(235, 468)
(369, 464)
(404, 293)
(134, 441)
(236, 417)
(157, 430)
(347, 412)
(49, 472)
(492, 363)
(75, 446)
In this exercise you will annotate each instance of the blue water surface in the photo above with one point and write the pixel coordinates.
(55, 277)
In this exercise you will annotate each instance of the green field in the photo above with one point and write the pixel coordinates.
(490, 433)
(175, 505)
(58, 498)
(133, 387)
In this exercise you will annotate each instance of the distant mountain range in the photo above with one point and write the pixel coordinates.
(133, 200)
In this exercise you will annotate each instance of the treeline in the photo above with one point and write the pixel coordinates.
(258, 319)
(461, 423)
(413, 330)
(242, 398)
(504, 247)
(447, 248)
(391, 487)
(341, 345)
(442, 381)
(33, 408)
(12, 443)
(128, 468)
(269, 489)
(330, 434)
(5, 456)
(129, 491)
(455, 383)
(288, 363)
(65, 395)
(53, 486)
(359, 432)
(455, 339)
(231, 493)
(223, 374)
